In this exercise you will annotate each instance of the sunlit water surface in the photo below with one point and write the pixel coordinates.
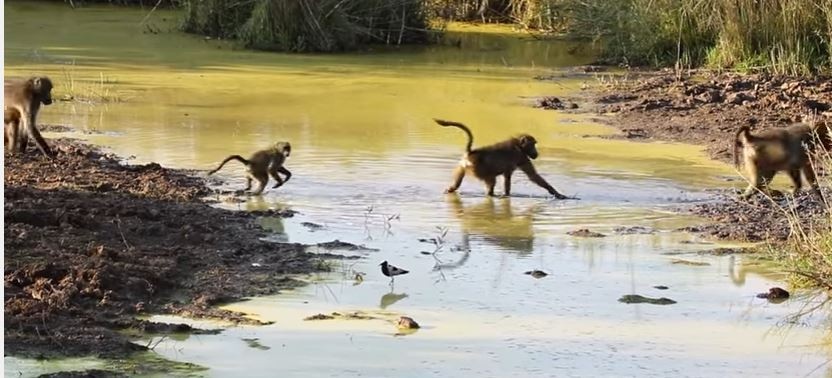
(369, 166)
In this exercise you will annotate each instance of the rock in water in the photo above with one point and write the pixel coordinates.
(406, 322)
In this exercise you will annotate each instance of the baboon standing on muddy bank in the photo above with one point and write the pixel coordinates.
(500, 159)
(263, 163)
(22, 102)
(783, 149)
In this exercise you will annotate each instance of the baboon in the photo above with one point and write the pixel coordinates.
(500, 159)
(26, 96)
(262, 164)
(783, 149)
(11, 122)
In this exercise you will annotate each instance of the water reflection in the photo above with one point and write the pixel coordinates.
(495, 221)
(739, 270)
(391, 298)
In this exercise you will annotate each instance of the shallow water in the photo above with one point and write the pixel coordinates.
(365, 148)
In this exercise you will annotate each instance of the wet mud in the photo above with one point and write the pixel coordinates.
(92, 243)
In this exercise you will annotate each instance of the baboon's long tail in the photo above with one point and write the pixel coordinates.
(461, 126)
(740, 139)
(232, 157)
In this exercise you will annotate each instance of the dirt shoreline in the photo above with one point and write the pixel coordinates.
(706, 109)
(91, 243)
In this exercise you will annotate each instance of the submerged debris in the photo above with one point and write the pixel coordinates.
(337, 244)
(319, 317)
(634, 230)
(688, 262)
(356, 315)
(635, 298)
(775, 295)
(553, 103)
(255, 343)
(312, 226)
(406, 322)
(537, 273)
(586, 233)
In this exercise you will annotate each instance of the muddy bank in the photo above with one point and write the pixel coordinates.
(707, 109)
(91, 243)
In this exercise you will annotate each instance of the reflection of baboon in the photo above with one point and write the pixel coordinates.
(26, 97)
(496, 222)
(500, 159)
(262, 164)
(738, 271)
(783, 149)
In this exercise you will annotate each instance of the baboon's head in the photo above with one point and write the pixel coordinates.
(284, 148)
(527, 144)
(42, 89)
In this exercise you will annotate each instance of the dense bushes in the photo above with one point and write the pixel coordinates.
(308, 25)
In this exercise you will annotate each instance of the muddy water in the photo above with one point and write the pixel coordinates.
(366, 150)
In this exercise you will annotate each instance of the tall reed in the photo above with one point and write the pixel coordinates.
(308, 25)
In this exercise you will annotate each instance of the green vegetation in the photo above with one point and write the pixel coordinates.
(308, 25)
(779, 36)
(808, 254)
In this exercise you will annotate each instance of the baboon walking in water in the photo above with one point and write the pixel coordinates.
(262, 164)
(499, 159)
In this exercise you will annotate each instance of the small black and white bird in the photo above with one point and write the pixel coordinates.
(392, 271)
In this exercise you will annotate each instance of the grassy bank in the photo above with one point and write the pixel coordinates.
(808, 254)
(780, 36)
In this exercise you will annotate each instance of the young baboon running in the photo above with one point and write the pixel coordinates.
(783, 149)
(263, 163)
(500, 159)
(26, 97)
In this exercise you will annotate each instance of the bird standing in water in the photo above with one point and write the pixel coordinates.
(392, 271)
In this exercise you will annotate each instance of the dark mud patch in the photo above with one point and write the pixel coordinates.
(355, 315)
(55, 128)
(92, 373)
(149, 327)
(344, 246)
(758, 219)
(554, 103)
(707, 109)
(91, 243)
(636, 299)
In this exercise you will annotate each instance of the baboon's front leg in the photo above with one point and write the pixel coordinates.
(528, 169)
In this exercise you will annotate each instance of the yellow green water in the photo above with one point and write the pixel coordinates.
(360, 125)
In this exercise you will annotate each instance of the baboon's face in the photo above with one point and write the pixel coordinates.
(284, 147)
(527, 145)
(42, 87)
